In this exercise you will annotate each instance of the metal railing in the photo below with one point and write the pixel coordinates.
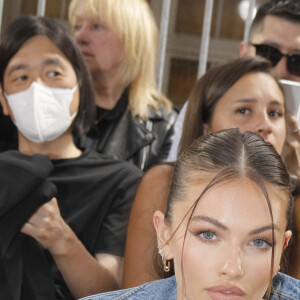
(41, 7)
(203, 55)
(1, 12)
(163, 39)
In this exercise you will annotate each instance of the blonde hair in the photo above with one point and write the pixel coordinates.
(132, 21)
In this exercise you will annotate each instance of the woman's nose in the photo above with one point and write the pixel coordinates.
(81, 35)
(263, 125)
(232, 264)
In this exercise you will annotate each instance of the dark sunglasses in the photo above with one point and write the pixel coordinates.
(274, 55)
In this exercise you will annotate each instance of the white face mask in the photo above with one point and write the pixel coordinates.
(42, 113)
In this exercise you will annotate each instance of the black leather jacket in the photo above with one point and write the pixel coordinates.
(119, 135)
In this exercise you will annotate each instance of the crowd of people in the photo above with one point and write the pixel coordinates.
(104, 186)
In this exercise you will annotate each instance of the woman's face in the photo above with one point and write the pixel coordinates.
(101, 48)
(254, 103)
(41, 61)
(227, 249)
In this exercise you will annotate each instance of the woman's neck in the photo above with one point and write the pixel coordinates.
(61, 148)
(107, 90)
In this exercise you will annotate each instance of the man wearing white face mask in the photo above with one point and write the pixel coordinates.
(47, 93)
(47, 110)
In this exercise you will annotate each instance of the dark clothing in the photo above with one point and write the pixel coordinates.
(24, 187)
(121, 136)
(94, 194)
(8, 133)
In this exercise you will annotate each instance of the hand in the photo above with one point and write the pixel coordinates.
(48, 227)
(291, 149)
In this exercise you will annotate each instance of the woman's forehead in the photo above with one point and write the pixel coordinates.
(232, 201)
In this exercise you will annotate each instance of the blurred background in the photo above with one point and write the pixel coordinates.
(184, 34)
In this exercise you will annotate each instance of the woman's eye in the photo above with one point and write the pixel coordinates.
(76, 27)
(207, 235)
(98, 26)
(275, 114)
(243, 111)
(261, 243)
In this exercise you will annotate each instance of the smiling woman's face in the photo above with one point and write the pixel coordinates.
(228, 246)
(254, 103)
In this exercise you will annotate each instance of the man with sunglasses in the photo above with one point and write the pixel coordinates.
(275, 35)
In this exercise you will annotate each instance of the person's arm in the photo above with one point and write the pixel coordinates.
(83, 273)
(141, 237)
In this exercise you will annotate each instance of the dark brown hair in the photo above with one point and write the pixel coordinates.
(208, 90)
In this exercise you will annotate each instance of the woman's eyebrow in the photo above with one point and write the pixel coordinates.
(246, 100)
(224, 228)
(209, 220)
(273, 102)
(262, 229)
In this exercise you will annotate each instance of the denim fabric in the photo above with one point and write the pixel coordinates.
(286, 288)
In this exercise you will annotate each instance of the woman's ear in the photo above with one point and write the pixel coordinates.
(162, 234)
(287, 237)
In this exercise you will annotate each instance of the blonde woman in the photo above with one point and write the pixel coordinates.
(118, 40)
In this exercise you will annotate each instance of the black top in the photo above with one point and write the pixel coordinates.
(8, 133)
(94, 194)
(106, 119)
(118, 134)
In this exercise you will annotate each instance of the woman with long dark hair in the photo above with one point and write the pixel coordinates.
(226, 224)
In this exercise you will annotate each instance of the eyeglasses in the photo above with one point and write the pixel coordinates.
(274, 55)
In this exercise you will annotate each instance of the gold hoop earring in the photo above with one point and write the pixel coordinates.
(167, 265)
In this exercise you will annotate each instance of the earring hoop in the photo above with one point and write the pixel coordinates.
(166, 263)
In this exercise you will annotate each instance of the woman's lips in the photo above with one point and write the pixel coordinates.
(86, 54)
(225, 292)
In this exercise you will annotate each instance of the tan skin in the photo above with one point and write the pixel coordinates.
(264, 114)
(140, 243)
(219, 249)
(83, 273)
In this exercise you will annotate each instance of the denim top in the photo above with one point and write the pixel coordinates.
(286, 288)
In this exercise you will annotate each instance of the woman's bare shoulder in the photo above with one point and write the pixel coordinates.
(161, 172)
